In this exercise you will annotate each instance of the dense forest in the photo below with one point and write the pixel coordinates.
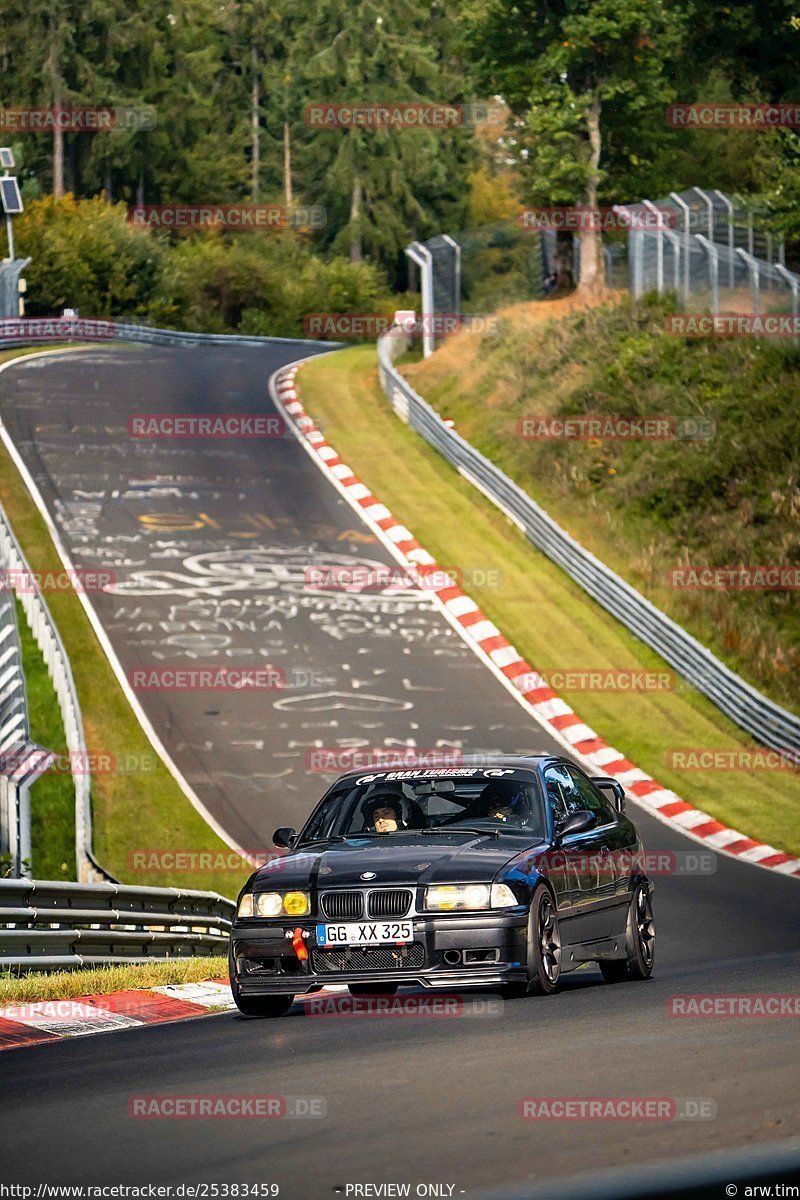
(559, 102)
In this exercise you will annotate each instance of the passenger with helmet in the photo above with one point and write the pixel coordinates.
(503, 800)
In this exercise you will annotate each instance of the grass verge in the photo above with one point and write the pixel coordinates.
(144, 810)
(92, 981)
(646, 507)
(53, 794)
(553, 624)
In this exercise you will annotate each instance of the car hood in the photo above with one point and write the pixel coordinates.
(399, 859)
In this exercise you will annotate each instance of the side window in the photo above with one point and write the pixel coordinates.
(562, 794)
(591, 797)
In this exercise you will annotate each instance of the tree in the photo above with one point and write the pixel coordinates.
(379, 185)
(573, 71)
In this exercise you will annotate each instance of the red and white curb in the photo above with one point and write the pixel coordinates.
(50, 1020)
(53, 1020)
(525, 684)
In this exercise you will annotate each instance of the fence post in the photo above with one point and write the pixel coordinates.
(686, 235)
(710, 203)
(659, 246)
(793, 282)
(456, 272)
(755, 283)
(422, 256)
(731, 266)
(713, 269)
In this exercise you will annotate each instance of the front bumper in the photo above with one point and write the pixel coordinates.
(452, 950)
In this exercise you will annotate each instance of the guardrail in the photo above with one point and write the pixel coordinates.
(46, 926)
(748, 708)
(49, 642)
(149, 335)
(21, 760)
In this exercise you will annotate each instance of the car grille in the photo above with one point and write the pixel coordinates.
(388, 903)
(342, 906)
(358, 958)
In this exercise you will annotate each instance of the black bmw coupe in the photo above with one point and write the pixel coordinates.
(505, 872)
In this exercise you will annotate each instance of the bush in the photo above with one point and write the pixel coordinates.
(260, 284)
(86, 255)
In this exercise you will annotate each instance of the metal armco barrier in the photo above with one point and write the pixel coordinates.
(49, 642)
(748, 708)
(21, 760)
(124, 332)
(46, 926)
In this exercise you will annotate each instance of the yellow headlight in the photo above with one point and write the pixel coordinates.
(297, 904)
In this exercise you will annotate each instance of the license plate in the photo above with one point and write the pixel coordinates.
(365, 933)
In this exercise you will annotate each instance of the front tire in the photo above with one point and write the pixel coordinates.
(259, 1006)
(640, 940)
(544, 950)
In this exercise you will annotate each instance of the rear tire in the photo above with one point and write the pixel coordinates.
(372, 989)
(640, 940)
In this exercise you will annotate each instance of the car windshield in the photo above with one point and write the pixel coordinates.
(381, 806)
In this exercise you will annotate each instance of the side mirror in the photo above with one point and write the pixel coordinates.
(614, 786)
(577, 822)
(285, 836)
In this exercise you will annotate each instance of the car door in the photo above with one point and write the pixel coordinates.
(608, 842)
(579, 865)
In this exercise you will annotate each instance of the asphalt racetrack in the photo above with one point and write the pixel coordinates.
(210, 543)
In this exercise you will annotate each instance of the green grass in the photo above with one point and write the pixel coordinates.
(644, 507)
(146, 810)
(53, 794)
(92, 981)
(548, 618)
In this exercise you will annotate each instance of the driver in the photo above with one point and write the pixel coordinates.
(503, 801)
(385, 812)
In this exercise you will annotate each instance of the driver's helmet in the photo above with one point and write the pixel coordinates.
(504, 800)
(382, 800)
